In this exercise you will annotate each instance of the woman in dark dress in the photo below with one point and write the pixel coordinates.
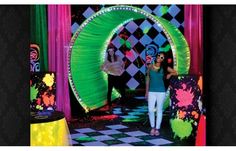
(114, 67)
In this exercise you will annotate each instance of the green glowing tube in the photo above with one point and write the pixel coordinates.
(88, 45)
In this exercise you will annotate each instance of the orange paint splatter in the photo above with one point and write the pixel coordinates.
(181, 114)
(200, 83)
(184, 97)
(48, 100)
(195, 114)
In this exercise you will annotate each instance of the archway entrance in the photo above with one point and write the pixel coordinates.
(89, 43)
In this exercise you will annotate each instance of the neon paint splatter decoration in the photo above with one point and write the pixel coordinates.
(185, 97)
(88, 45)
(42, 91)
(33, 93)
(181, 128)
(185, 110)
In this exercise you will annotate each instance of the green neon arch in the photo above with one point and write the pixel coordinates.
(88, 44)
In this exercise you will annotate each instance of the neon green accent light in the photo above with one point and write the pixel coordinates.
(85, 139)
(131, 120)
(86, 55)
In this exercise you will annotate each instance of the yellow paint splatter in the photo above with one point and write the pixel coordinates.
(48, 79)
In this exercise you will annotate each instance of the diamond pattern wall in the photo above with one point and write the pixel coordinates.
(141, 34)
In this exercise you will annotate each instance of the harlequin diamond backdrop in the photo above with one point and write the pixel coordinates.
(134, 39)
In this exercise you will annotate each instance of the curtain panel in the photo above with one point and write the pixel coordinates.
(59, 35)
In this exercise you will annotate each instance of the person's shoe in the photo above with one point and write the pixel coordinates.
(109, 111)
(156, 133)
(152, 132)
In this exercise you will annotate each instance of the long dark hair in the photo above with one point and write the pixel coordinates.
(164, 66)
(109, 56)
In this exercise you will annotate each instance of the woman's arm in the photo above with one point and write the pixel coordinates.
(121, 62)
(172, 72)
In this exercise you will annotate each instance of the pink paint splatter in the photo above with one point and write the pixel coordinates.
(185, 98)
(129, 54)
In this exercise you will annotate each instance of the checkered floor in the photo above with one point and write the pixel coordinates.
(99, 128)
(115, 135)
(120, 131)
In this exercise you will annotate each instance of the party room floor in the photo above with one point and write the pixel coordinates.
(99, 128)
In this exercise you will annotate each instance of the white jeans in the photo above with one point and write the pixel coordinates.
(153, 98)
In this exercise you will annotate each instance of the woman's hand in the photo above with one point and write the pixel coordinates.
(171, 72)
(168, 76)
(103, 68)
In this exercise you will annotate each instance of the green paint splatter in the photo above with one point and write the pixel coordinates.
(33, 93)
(164, 10)
(181, 128)
(145, 31)
(165, 49)
(128, 44)
(122, 41)
(39, 107)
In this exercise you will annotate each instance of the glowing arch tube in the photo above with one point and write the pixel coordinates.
(88, 44)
